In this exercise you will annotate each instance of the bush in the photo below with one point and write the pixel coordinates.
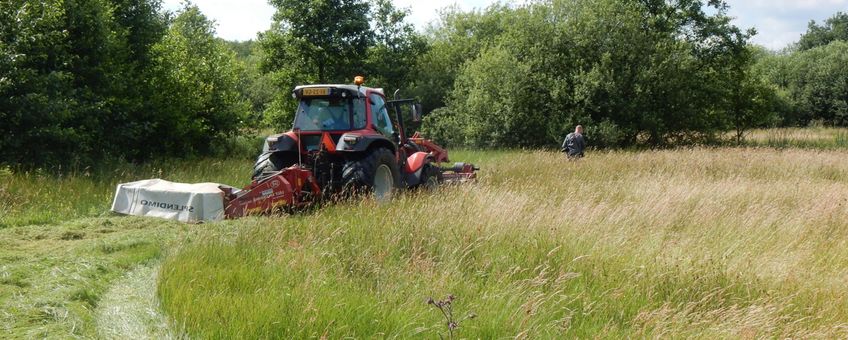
(443, 126)
(605, 134)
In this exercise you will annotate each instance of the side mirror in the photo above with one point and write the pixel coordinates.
(416, 112)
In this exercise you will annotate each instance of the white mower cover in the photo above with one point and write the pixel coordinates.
(174, 201)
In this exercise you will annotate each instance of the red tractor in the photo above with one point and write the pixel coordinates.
(344, 140)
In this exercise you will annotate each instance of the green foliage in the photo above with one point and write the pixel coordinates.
(243, 49)
(605, 134)
(457, 38)
(751, 101)
(87, 80)
(197, 76)
(67, 67)
(323, 40)
(490, 112)
(394, 49)
(812, 84)
(834, 28)
(444, 126)
(254, 85)
(809, 80)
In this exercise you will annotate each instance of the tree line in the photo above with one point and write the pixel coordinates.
(811, 77)
(87, 80)
(640, 72)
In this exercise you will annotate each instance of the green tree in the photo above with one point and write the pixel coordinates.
(632, 71)
(243, 49)
(74, 69)
(819, 83)
(750, 100)
(84, 80)
(35, 82)
(255, 86)
(456, 38)
(811, 84)
(834, 28)
(197, 76)
(395, 48)
(325, 40)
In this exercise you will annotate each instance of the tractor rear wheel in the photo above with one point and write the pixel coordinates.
(375, 172)
(431, 178)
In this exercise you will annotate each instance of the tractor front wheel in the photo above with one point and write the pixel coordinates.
(375, 172)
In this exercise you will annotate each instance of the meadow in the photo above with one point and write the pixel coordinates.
(694, 243)
(743, 242)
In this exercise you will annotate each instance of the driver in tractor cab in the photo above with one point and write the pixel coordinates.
(332, 118)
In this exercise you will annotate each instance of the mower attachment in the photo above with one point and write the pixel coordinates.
(459, 172)
(291, 188)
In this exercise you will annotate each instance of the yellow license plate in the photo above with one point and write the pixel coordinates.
(316, 91)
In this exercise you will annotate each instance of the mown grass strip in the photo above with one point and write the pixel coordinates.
(52, 277)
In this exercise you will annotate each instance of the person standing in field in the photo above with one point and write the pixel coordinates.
(574, 143)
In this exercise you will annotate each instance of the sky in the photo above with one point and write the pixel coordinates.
(778, 22)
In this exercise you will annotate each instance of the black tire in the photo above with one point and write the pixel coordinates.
(431, 178)
(271, 162)
(359, 173)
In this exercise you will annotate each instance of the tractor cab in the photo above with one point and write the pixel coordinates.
(335, 110)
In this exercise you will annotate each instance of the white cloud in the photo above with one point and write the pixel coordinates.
(423, 12)
(782, 22)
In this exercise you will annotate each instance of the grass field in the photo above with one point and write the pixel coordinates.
(705, 243)
(726, 242)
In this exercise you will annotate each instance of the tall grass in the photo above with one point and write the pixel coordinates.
(49, 196)
(692, 243)
(808, 138)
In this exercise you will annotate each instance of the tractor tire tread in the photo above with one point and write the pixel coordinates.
(359, 171)
(427, 172)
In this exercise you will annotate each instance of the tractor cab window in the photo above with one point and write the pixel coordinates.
(359, 113)
(380, 115)
(328, 114)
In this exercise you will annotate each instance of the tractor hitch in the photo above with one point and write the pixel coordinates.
(286, 190)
